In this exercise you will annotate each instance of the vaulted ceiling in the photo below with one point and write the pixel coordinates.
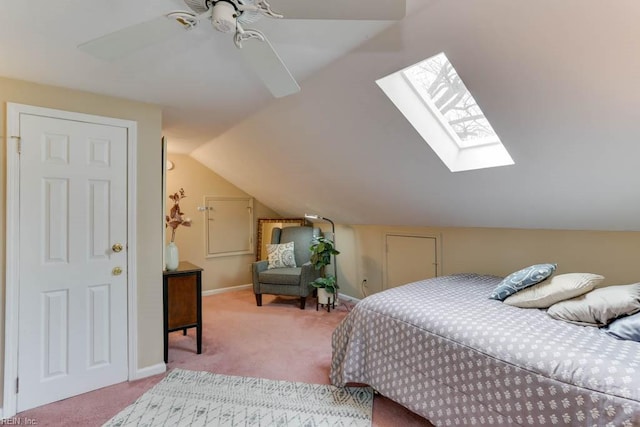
(559, 81)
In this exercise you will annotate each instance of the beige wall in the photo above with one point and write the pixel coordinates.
(199, 181)
(149, 224)
(491, 251)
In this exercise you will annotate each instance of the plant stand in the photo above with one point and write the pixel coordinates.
(325, 299)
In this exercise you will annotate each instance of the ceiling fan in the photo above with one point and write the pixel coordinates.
(230, 16)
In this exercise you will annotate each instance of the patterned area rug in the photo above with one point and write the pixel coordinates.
(195, 398)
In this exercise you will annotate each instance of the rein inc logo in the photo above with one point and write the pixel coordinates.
(19, 421)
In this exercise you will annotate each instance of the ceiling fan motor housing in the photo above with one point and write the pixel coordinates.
(223, 17)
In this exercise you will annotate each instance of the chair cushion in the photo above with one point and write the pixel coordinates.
(281, 276)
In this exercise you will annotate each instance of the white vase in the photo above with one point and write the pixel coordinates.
(171, 257)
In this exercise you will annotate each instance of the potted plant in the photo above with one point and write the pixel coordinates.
(321, 251)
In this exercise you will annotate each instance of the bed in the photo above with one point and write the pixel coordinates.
(444, 350)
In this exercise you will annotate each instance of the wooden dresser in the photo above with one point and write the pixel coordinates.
(182, 301)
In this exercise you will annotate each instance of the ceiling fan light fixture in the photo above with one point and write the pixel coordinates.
(223, 17)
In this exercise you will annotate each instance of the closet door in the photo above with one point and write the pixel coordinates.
(229, 226)
(409, 259)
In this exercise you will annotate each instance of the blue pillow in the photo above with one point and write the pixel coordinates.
(522, 279)
(625, 328)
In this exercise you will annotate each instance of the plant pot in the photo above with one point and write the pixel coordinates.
(324, 297)
(172, 258)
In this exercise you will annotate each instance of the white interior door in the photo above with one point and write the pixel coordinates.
(72, 333)
(409, 259)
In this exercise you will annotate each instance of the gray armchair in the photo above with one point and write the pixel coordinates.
(288, 281)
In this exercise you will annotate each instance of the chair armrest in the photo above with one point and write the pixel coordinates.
(260, 265)
(256, 268)
(308, 274)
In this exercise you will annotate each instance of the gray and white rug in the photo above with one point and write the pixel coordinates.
(195, 398)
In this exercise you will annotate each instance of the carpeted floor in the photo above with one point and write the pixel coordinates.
(276, 341)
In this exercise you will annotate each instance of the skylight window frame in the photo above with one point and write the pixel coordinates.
(435, 130)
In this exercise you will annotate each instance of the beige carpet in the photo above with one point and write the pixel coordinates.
(277, 341)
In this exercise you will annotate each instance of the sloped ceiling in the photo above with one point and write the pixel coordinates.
(560, 82)
(198, 77)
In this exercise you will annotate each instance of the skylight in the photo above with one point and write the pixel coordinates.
(434, 99)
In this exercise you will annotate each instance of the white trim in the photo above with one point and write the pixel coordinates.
(209, 211)
(149, 371)
(12, 263)
(250, 286)
(132, 246)
(224, 290)
(349, 298)
(12, 250)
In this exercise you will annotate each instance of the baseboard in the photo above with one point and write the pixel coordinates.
(149, 371)
(347, 298)
(229, 289)
(249, 286)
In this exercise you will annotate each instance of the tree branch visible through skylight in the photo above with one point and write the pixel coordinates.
(436, 79)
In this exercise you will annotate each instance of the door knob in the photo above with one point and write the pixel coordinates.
(117, 247)
(116, 271)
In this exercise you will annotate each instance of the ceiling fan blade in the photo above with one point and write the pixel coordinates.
(371, 10)
(134, 38)
(267, 64)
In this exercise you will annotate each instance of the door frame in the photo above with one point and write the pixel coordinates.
(12, 250)
(438, 244)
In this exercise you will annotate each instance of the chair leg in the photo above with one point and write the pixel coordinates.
(259, 300)
(303, 302)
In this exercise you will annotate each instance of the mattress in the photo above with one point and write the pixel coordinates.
(443, 349)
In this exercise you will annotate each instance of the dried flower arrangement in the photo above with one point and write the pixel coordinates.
(176, 216)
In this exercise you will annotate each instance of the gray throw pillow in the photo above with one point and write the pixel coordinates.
(625, 328)
(522, 279)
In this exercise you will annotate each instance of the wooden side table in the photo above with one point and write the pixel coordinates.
(182, 302)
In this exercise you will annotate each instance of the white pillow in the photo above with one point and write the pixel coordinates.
(555, 289)
(281, 255)
(600, 306)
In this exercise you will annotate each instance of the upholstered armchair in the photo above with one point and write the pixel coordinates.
(292, 281)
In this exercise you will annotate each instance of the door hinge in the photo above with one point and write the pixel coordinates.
(17, 385)
(19, 144)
